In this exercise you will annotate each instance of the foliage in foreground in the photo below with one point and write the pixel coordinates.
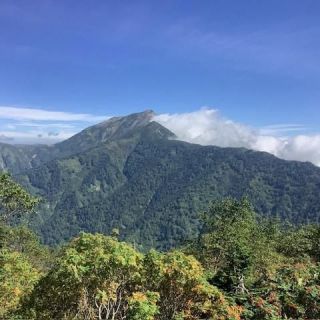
(240, 267)
(98, 277)
(269, 271)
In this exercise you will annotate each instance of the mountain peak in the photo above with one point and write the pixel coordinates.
(112, 129)
(135, 119)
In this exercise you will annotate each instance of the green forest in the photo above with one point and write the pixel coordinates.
(129, 173)
(240, 266)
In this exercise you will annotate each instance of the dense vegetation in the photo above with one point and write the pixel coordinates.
(239, 267)
(128, 173)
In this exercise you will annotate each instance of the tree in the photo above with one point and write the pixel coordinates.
(94, 278)
(184, 292)
(143, 306)
(14, 199)
(98, 277)
(18, 274)
(292, 292)
(269, 270)
(235, 246)
(17, 279)
(225, 245)
(21, 239)
(300, 242)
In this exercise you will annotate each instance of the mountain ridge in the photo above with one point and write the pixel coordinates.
(133, 174)
(35, 154)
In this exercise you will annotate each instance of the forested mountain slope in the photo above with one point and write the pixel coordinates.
(13, 158)
(129, 173)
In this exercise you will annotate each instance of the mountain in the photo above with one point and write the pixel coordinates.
(20, 157)
(130, 173)
(13, 158)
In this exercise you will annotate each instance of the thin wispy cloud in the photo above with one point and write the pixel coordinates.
(34, 125)
(280, 129)
(15, 113)
(42, 125)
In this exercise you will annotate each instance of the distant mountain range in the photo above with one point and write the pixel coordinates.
(132, 174)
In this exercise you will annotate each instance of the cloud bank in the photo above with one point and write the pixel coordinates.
(207, 127)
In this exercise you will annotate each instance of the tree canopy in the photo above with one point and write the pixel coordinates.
(240, 267)
(14, 199)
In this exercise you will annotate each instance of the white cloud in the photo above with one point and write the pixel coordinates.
(36, 124)
(14, 113)
(301, 147)
(207, 127)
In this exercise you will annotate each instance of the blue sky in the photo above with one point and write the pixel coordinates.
(257, 62)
